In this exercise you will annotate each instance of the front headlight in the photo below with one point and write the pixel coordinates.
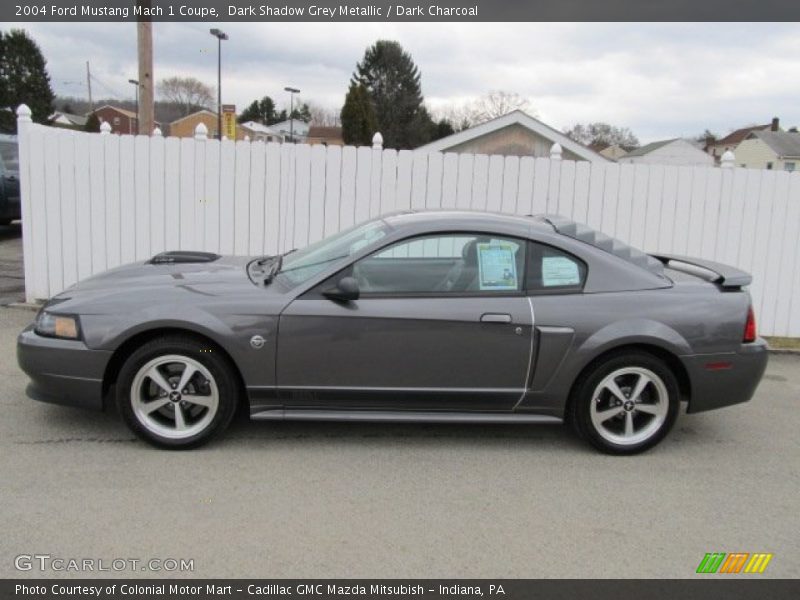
(60, 326)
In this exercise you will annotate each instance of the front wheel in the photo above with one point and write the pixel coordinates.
(177, 392)
(627, 403)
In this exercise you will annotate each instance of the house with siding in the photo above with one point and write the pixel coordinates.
(778, 150)
(514, 134)
(185, 126)
(729, 142)
(669, 152)
(120, 119)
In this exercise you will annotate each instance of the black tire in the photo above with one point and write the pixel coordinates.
(4, 222)
(583, 396)
(221, 375)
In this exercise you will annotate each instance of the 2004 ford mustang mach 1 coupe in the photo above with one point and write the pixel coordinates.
(416, 316)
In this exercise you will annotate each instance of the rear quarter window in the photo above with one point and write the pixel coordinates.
(552, 270)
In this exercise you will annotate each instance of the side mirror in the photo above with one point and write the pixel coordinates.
(345, 291)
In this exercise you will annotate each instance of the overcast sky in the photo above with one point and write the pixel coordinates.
(661, 80)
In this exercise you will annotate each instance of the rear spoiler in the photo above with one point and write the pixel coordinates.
(724, 275)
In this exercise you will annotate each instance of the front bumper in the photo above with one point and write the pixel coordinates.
(723, 379)
(62, 371)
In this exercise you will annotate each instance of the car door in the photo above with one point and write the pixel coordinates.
(442, 323)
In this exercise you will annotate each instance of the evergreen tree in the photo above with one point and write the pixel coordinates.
(23, 79)
(442, 128)
(262, 111)
(302, 113)
(92, 124)
(358, 117)
(392, 81)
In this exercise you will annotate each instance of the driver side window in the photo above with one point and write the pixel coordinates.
(457, 263)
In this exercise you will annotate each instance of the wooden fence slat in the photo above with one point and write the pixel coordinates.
(449, 180)
(333, 188)
(347, 204)
(265, 239)
(316, 197)
(158, 201)
(254, 173)
(508, 200)
(226, 207)
(98, 201)
(388, 181)
(188, 203)
(83, 207)
(141, 196)
(65, 194)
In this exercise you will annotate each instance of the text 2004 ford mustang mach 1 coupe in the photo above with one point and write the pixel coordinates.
(428, 316)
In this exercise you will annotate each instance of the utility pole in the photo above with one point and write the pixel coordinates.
(89, 86)
(145, 49)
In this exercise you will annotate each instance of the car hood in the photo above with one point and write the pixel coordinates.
(140, 276)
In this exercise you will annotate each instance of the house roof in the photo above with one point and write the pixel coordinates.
(197, 112)
(737, 136)
(299, 127)
(79, 120)
(318, 131)
(257, 127)
(648, 148)
(783, 144)
(516, 117)
(128, 113)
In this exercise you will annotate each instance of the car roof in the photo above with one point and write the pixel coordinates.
(479, 218)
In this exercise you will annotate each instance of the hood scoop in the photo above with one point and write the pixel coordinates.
(183, 256)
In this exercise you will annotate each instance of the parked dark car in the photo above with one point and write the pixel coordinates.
(417, 316)
(9, 179)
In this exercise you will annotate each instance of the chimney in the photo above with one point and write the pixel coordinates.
(775, 124)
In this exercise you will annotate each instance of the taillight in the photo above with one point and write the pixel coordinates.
(750, 327)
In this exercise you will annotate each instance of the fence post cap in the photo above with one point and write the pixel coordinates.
(157, 132)
(24, 113)
(377, 140)
(555, 151)
(200, 132)
(105, 128)
(728, 160)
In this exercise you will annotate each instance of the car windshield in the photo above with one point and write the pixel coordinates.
(303, 264)
(10, 156)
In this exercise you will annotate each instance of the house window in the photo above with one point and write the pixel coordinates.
(116, 120)
(789, 166)
(769, 166)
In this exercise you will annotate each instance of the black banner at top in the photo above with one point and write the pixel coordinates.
(397, 10)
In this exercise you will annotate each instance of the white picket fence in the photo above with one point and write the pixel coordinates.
(93, 201)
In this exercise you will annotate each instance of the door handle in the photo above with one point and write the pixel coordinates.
(495, 318)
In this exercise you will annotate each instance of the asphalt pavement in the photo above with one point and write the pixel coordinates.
(382, 500)
(12, 281)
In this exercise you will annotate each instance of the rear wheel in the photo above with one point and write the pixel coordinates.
(4, 222)
(627, 403)
(176, 392)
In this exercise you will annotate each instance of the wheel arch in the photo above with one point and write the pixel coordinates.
(671, 359)
(139, 338)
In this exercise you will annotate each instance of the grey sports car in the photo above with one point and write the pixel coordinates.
(417, 316)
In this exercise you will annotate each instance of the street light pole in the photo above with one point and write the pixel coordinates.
(220, 35)
(292, 91)
(136, 83)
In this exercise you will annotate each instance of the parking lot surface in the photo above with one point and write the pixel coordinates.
(382, 500)
(12, 283)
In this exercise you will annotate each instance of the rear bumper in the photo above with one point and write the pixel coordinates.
(727, 378)
(62, 371)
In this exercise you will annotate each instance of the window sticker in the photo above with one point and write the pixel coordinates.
(559, 271)
(497, 269)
